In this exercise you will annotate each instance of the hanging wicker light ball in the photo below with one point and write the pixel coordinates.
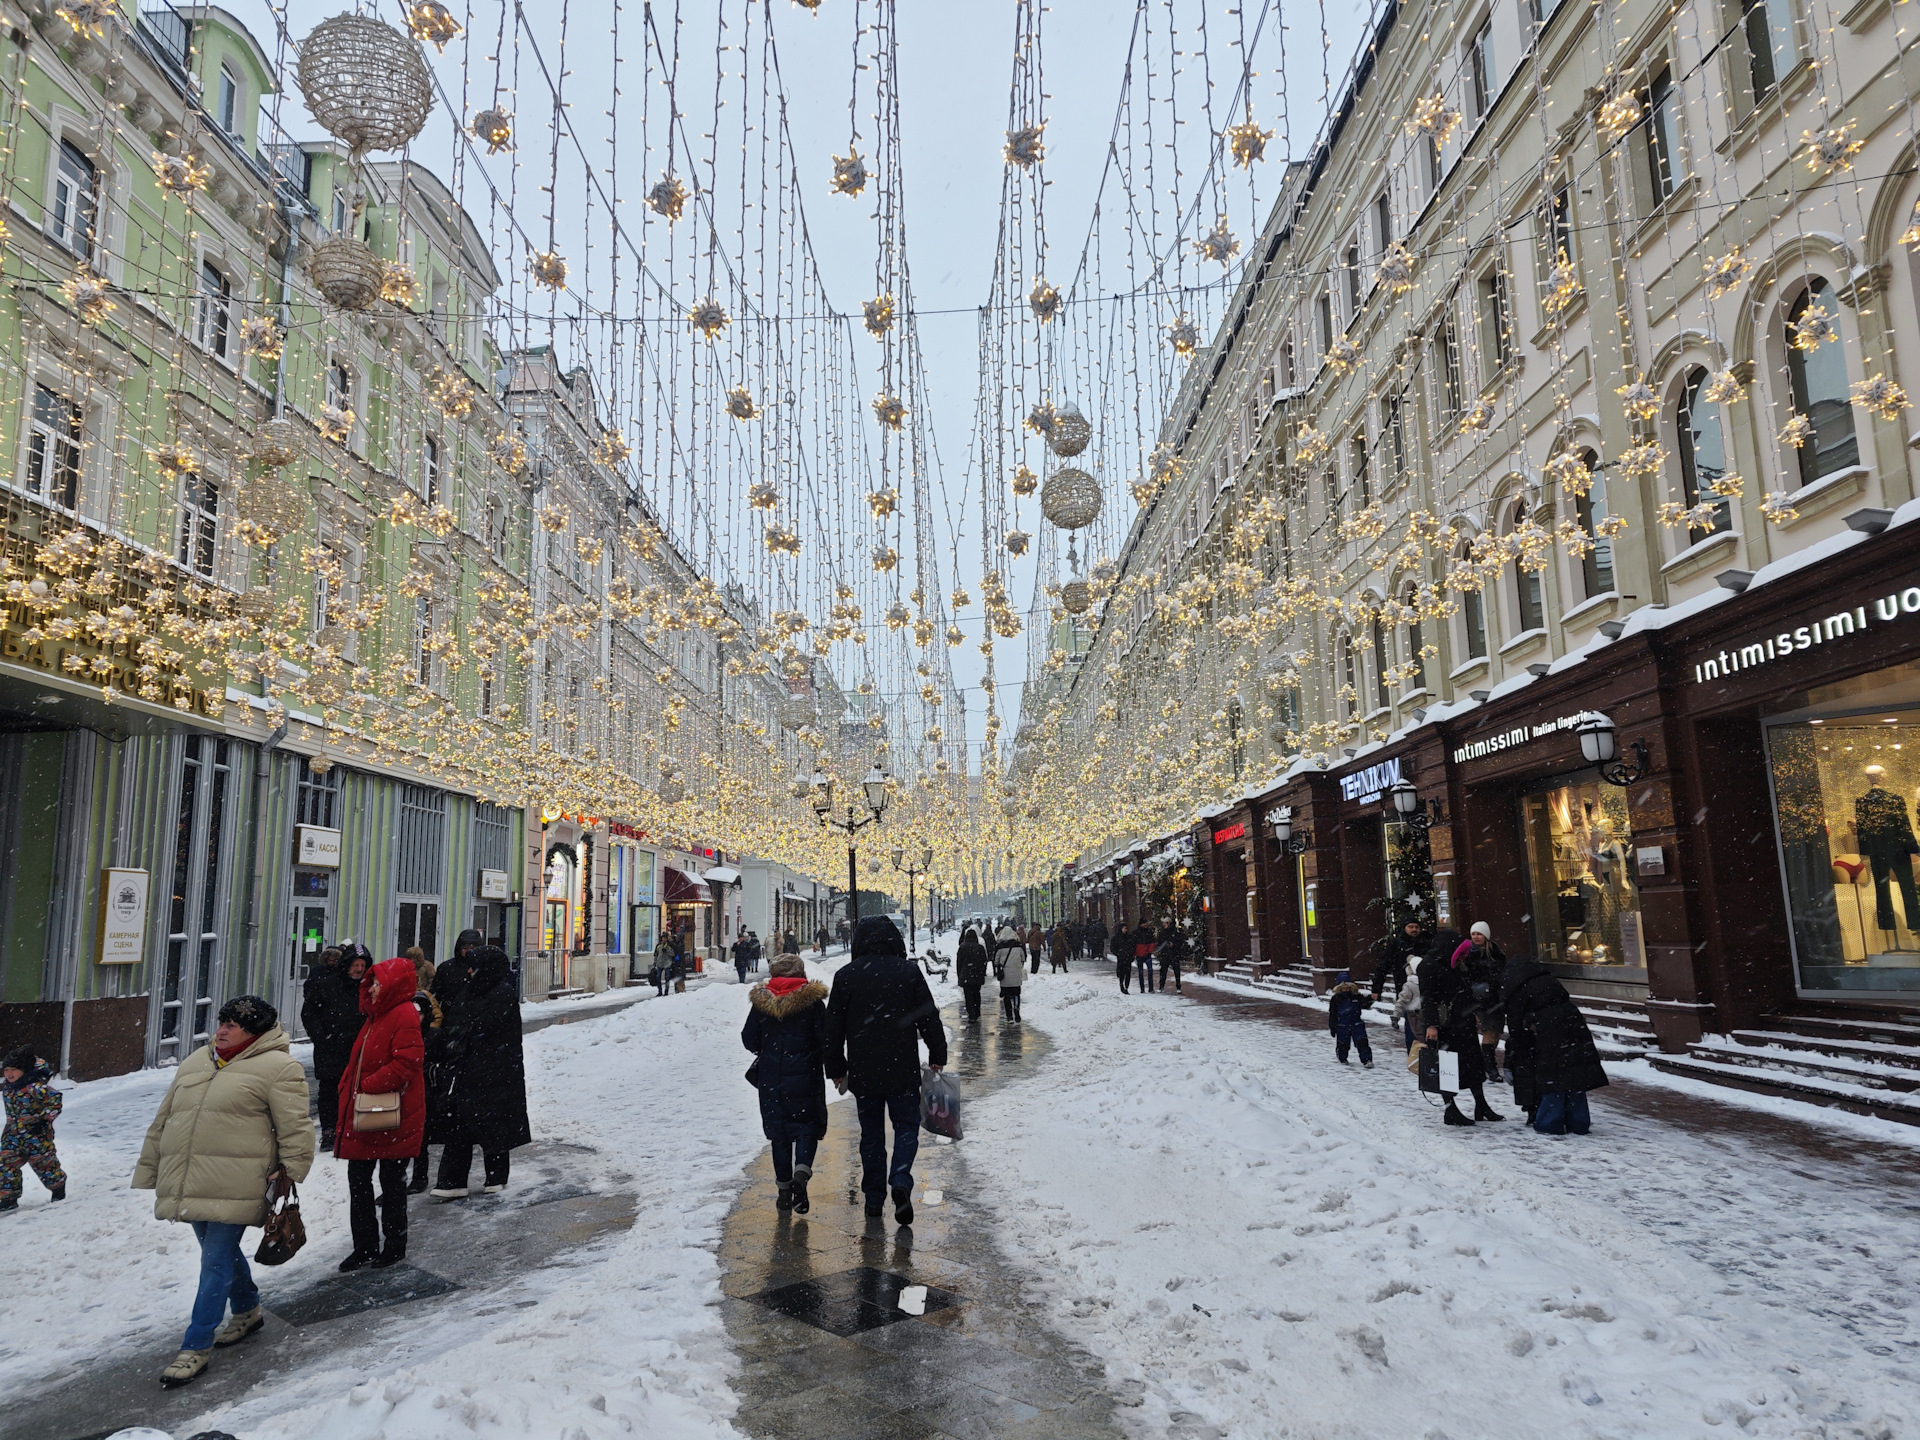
(1071, 433)
(1076, 597)
(365, 83)
(495, 127)
(1070, 499)
(671, 789)
(346, 272)
(796, 712)
(277, 443)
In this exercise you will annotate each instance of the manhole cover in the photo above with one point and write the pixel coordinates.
(361, 1291)
(856, 1300)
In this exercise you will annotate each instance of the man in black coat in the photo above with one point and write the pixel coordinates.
(330, 1014)
(451, 979)
(1397, 954)
(489, 1078)
(880, 1002)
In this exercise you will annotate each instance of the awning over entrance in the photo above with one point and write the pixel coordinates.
(722, 875)
(686, 889)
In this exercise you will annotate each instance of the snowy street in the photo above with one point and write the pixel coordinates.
(1168, 1216)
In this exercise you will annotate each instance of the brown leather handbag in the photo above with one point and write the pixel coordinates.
(285, 1231)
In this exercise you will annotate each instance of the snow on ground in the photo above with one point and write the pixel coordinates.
(1273, 1244)
(621, 1339)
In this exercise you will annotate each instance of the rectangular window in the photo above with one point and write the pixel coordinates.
(315, 797)
(1473, 615)
(1393, 441)
(1323, 314)
(1382, 223)
(1597, 564)
(1496, 340)
(1356, 284)
(1585, 905)
(439, 298)
(1480, 76)
(430, 470)
(340, 215)
(1767, 28)
(199, 523)
(1359, 469)
(1543, 11)
(1559, 224)
(1662, 135)
(1435, 171)
(75, 206)
(53, 448)
(423, 640)
(1533, 614)
(216, 310)
(227, 102)
(1283, 371)
(1382, 697)
(1447, 357)
(339, 386)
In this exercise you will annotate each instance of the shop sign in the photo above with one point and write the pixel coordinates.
(1518, 735)
(493, 885)
(114, 667)
(122, 925)
(1753, 653)
(1366, 785)
(1235, 831)
(1650, 860)
(316, 846)
(1313, 904)
(1443, 900)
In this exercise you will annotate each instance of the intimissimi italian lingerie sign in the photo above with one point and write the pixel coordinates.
(1753, 653)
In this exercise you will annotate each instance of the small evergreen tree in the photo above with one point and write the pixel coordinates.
(1410, 877)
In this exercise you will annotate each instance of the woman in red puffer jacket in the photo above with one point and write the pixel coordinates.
(385, 1059)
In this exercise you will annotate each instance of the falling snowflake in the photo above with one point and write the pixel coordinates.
(668, 197)
(1023, 147)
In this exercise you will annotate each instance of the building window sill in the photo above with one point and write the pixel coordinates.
(1526, 640)
(1700, 556)
(1825, 493)
(1472, 668)
(1591, 611)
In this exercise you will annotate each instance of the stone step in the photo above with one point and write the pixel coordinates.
(1819, 1090)
(1866, 1073)
(1903, 1030)
(1880, 1052)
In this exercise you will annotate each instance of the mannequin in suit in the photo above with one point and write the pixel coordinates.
(1887, 840)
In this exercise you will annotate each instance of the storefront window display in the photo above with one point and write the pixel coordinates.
(1845, 787)
(1586, 908)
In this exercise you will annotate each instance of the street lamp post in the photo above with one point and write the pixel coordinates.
(1282, 821)
(913, 872)
(876, 795)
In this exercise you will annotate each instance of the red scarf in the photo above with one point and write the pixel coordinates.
(784, 985)
(227, 1053)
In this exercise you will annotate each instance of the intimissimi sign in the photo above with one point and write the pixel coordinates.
(1764, 650)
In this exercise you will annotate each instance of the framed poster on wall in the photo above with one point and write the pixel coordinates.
(121, 935)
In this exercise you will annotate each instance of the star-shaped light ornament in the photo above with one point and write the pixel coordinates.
(878, 314)
(668, 197)
(1184, 336)
(849, 174)
(1024, 147)
(1218, 244)
(1247, 142)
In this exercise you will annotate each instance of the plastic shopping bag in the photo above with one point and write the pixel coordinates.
(940, 1104)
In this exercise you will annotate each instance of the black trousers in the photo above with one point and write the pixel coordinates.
(1892, 862)
(1010, 1004)
(1173, 968)
(972, 992)
(392, 1214)
(326, 1089)
(456, 1163)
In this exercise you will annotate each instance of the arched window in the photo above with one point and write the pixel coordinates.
(1417, 679)
(1703, 454)
(1526, 585)
(1596, 565)
(1818, 378)
(1473, 615)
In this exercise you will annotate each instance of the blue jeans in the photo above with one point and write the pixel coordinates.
(1563, 1112)
(224, 1278)
(787, 1152)
(904, 1110)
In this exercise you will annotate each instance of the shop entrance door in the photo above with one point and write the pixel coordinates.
(312, 919)
(189, 973)
(420, 925)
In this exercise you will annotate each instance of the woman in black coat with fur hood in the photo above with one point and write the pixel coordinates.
(1550, 1050)
(787, 1028)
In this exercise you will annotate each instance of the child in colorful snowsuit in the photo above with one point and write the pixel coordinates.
(32, 1104)
(1344, 1021)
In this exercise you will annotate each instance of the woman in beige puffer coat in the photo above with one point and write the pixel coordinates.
(235, 1113)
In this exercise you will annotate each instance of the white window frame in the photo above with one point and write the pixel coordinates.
(213, 311)
(198, 531)
(54, 449)
(74, 199)
(227, 99)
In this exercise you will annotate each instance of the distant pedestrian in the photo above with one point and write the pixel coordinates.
(1013, 979)
(489, 1080)
(662, 971)
(1345, 1022)
(970, 969)
(32, 1105)
(1397, 954)
(1170, 947)
(450, 980)
(1550, 1050)
(1143, 943)
(790, 943)
(432, 1018)
(1406, 1009)
(1059, 947)
(742, 954)
(1485, 964)
(234, 1116)
(330, 1013)
(384, 1068)
(879, 1011)
(787, 1029)
(1123, 958)
(1447, 1006)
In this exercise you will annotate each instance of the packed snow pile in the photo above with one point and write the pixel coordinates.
(1265, 1241)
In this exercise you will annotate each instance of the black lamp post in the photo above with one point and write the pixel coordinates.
(1281, 819)
(876, 794)
(913, 872)
(1598, 746)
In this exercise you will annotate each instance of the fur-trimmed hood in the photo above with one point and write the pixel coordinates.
(791, 1003)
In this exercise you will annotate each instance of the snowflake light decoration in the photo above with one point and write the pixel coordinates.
(262, 337)
(397, 285)
(1309, 444)
(764, 496)
(1723, 388)
(1813, 329)
(1725, 272)
(890, 410)
(494, 129)
(175, 459)
(1025, 482)
(740, 404)
(90, 297)
(1396, 268)
(1218, 243)
(509, 452)
(849, 174)
(180, 174)
(1796, 432)
(549, 269)
(885, 558)
(710, 318)
(1343, 356)
(1832, 148)
(1570, 473)
(668, 197)
(1729, 486)
(336, 423)
(781, 540)
(1777, 509)
(1044, 300)
(883, 502)
(1184, 336)
(1434, 118)
(1618, 115)
(877, 314)
(1562, 288)
(898, 616)
(1247, 142)
(1879, 395)
(1017, 542)
(1639, 400)
(88, 16)
(1042, 419)
(1024, 147)
(613, 450)
(1643, 460)
(1165, 462)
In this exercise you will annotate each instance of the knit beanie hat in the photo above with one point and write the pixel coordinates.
(1480, 927)
(250, 1013)
(788, 965)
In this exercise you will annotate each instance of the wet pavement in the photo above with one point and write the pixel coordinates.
(836, 1335)
(465, 1258)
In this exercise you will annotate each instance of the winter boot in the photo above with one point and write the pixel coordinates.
(1482, 1110)
(801, 1175)
(418, 1185)
(903, 1205)
(186, 1368)
(449, 1192)
(1454, 1116)
(241, 1326)
(59, 1192)
(783, 1199)
(356, 1261)
(874, 1207)
(1366, 1064)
